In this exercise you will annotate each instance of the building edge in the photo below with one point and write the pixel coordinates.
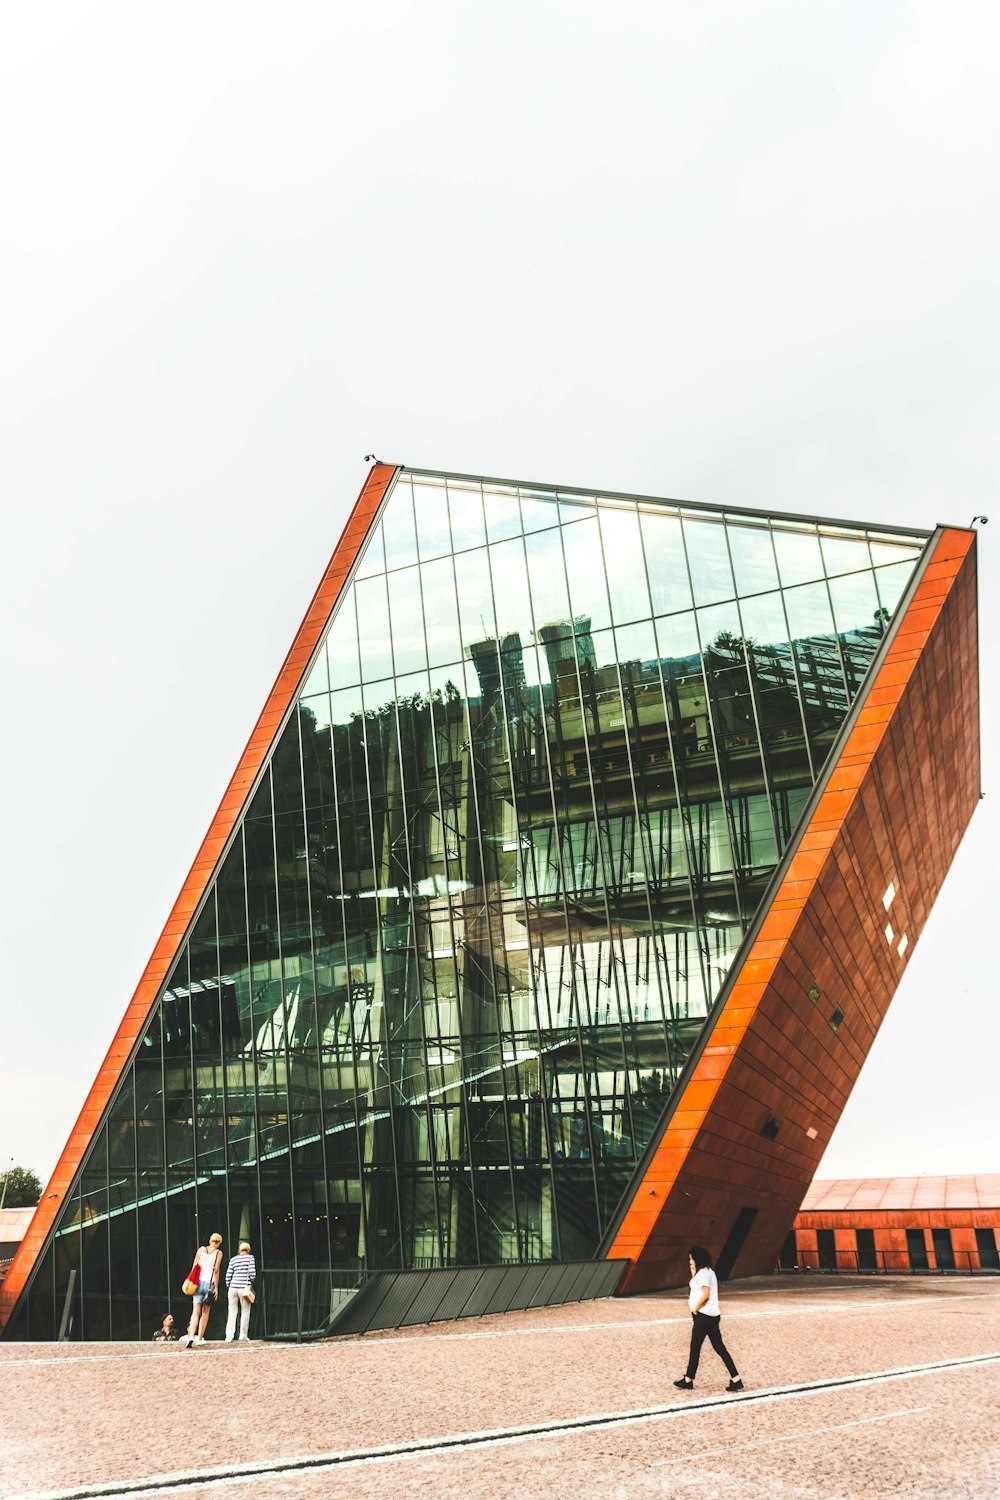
(733, 1156)
(365, 512)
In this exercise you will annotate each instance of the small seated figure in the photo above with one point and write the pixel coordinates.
(165, 1333)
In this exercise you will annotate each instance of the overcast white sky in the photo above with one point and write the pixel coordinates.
(733, 252)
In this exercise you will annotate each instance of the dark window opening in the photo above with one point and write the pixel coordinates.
(789, 1258)
(916, 1249)
(770, 1130)
(734, 1244)
(867, 1258)
(826, 1245)
(944, 1254)
(986, 1244)
(836, 1018)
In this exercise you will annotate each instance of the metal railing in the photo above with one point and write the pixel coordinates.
(312, 1304)
(293, 1302)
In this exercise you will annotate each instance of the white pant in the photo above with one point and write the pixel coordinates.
(241, 1305)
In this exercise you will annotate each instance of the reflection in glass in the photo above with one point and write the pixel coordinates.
(891, 582)
(499, 863)
(626, 576)
(844, 554)
(588, 583)
(708, 559)
(399, 529)
(430, 506)
(666, 564)
(752, 551)
(465, 506)
(798, 554)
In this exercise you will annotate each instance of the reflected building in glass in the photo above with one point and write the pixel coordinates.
(466, 918)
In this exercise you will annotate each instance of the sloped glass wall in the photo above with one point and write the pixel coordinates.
(478, 908)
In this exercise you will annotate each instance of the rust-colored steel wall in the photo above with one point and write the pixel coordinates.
(894, 808)
(889, 1227)
(199, 876)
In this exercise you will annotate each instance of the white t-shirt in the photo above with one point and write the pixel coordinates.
(206, 1264)
(699, 1281)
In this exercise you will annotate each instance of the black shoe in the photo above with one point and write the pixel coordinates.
(735, 1385)
(684, 1384)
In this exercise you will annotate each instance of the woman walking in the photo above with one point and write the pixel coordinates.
(241, 1273)
(207, 1262)
(703, 1301)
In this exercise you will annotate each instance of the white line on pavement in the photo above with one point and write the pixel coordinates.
(788, 1437)
(465, 1441)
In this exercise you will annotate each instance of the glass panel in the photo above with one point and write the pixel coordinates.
(538, 513)
(430, 505)
(318, 680)
(622, 557)
(588, 588)
(374, 634)
(342, 646)
(666, 564)
(444, 641)
(547, 581)
(407, 618)
(891, 583)
(844, 554)
(398, 528)
(678, 640)
(799, 557)
(752, 552)
(809, 611)
(465, 505)
(372, 560)
(886, 551)
(475, 598)
(503, 513)
(855, 603)
(708, 559)
(510, 589)
(764, 620)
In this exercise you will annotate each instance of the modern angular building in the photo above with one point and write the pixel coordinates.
(548, 917)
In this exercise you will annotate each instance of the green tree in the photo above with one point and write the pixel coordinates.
(20, 1187)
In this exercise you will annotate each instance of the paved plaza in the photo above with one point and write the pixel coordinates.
(854, 1387)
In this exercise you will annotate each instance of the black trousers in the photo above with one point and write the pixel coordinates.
(706, 1327)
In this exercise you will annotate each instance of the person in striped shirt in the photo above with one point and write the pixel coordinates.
(241, 1273)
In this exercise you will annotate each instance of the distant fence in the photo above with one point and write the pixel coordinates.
(885, 1263)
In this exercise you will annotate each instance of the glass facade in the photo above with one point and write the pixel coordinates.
(503, 852)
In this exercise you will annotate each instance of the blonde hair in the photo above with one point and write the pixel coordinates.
(215, 1239)
(244, 1247)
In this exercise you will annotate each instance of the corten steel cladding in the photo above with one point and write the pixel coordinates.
(193, 889)
(749, 1128)
(897, 1213)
